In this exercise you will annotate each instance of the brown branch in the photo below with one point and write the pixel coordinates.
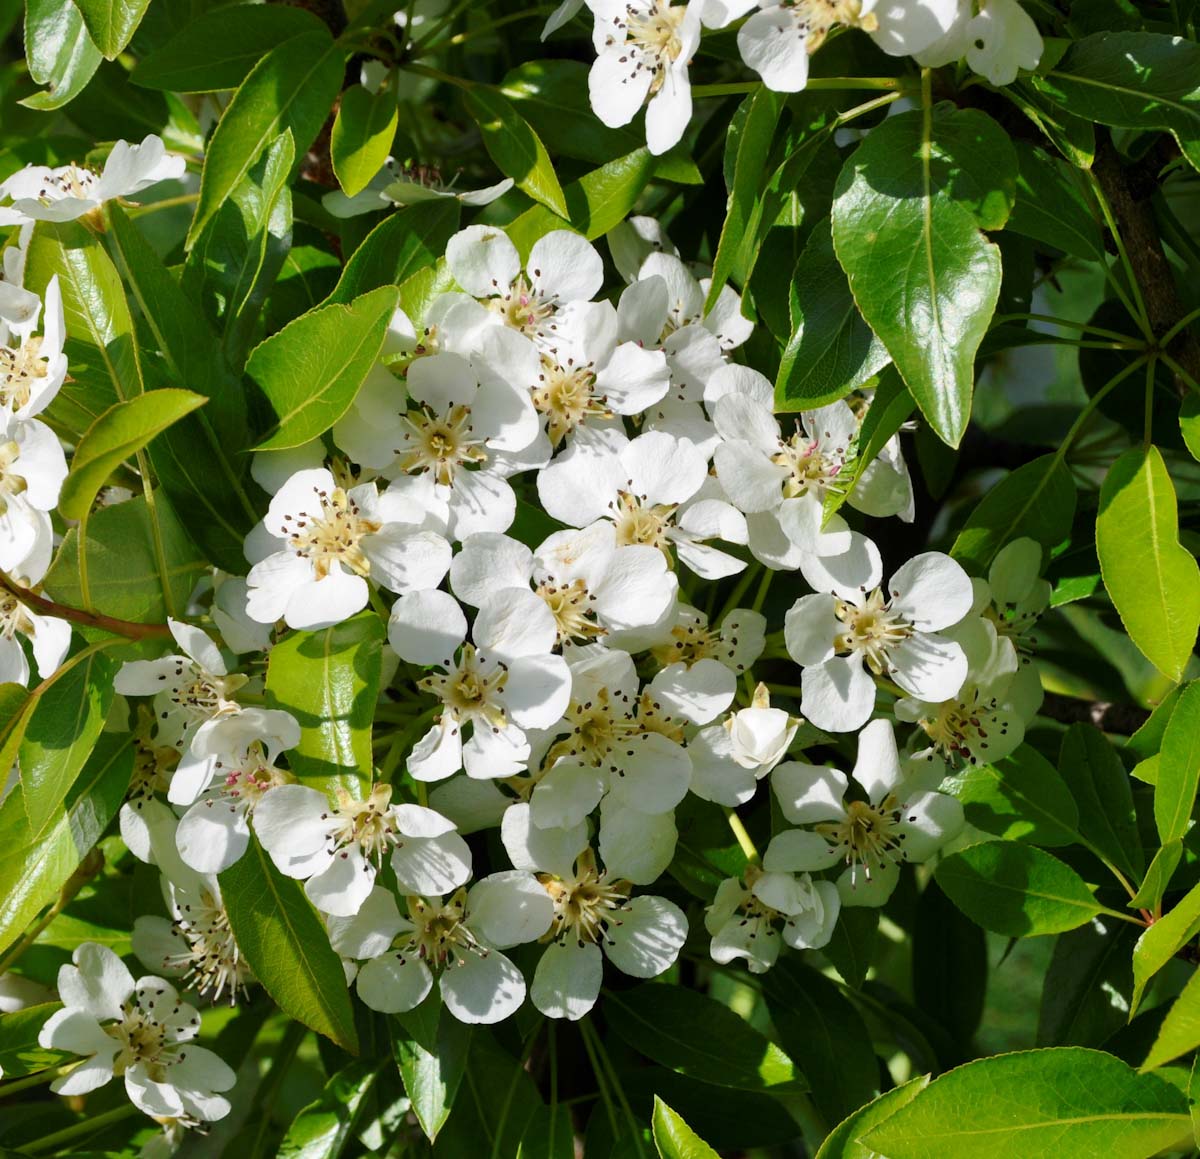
(46, 607)
(1128, 190)
(1124, 719)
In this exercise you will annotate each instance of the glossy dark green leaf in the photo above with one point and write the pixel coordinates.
(1051, 206)
(324, 1129)
(1087, 985)
(1100, 785)
(430, 1049)
(285, 944)
(20, 1053)
(514, 146)
(362, 136)
(852, 947)
(60, 53)
(329, 681)
(950, 965)
(112, 23)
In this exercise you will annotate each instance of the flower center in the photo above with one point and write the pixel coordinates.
(637, 521)
(143, 1036)
(74, 181)
(13, 617)
(819, 17)
(872, 629)
(440, 445)
(213, 961)
(440, 933)
(367, 824)
(331, 534)
(522, 308)
(585, 905)
(252, 777)
(1014, 624)
(564, 395)
(571, 606)
(869, 835)
(469, 691)
(11, 481)
(809, 465)
(19, 370)
(653, 40)
(200, 695)
(960, 729)
(689, 643)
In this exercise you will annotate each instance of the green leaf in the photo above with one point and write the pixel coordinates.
(1019, 798)
(1147, 741)
(36, 867)
(820, 1026)
(832, 351)
(749, 144)
(219, 48)
(112, 23)
(1015, 889)
(596, 203)
(117, 435)
(60, 53)
(674, 1138)
(843, 1141)
(290, 90)
(1074, 137)
(1100, 785)
(1158, 877)
(1051, 206)
(329, 681)
(1180, 1030)
(907, 212)
(1153, 581)
(60, 734)
(362, 136)
(691, 1033)
(514, 146)
(1158, 945)
(286, 946)
(1179, 767)
(1038, 1104)
(404, 243)
(431, 1055)
(323, 1129)
(123, 566)
(20, 1053)
(1189, 424)
(233, 264)
(1132, 80)
(312, 368)
(94, 306)
(550, 1135)
(1087, 984)
(852, 947)
(1036, 500)
(950, 964)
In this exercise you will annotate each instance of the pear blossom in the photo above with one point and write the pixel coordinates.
(632, 241)
(337, 849)
(845, 637)
(997, 41)
(737, 642)
(321, 542)
(32, 470)
(643, 51)
(751, 915)
(34, 368)
(899, 820)
(140, 1031)
(37, 193)
(188, 689)
(459, 939)
(49, 636)
(650, 489)
(504, 682)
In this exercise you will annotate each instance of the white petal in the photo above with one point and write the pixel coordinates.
(538, 689)
(699, 693)
(431, 865)
(838, 695)
(403, 561)
(931, 591)
(810, 627)
(930, 820)
(370, 932)
(482, 260)
(567, 980)
(566, 795)
(212, 835)
(489, 562)
(878, 766)
(325, 602)
(292, 823)
(342, 887)
(809, 793)
(394, 982)
(929, 666)
(617, 89)
(635, 845)
(565, 267)
(799, 851)
(649, 937)
(514, 623)
(774, 42)
(98, 983)
(426, 627)
(540, 850)
(482, 988)
(856, 570)
(509, 908)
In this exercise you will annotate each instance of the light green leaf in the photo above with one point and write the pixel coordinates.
(1158, 945)
(1153, 581)
(1015, 889)
(1180, 1030)
(20, 1053)
(112, 23)
(323, 1129)
(1158, 876)
(1036, 500)
(907, 212)
(691, 1033)
(312, 368)
(1100, 785)
(674, 1138)
(329, 681)
(290, 90)
(843, 1141)
(1037, 1104)
(1132, 80)
(514, 146)
(1179, 767)
(1020, 798)
(219, 48)
(1189, 424)
(286, 946)
(431, 1054)
(362, 136)
(117, 435)
(60, 53)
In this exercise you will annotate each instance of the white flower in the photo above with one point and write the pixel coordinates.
(458, 938)
(633, 240)
(32, 371)
(140, 1031)
(843, 638)
(737, 643)
(748, 915)
(997, 42)
(1014, 596)
(910, 27)
(397, 184)
(50, 638)
(240, 633)
(70, 191)
(325, 540)
(897, 822)
(188, 689)
(336, 850)
(644, 48)
(32, 470)
(500, 685)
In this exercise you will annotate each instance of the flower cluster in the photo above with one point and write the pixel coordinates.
(539, 486)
